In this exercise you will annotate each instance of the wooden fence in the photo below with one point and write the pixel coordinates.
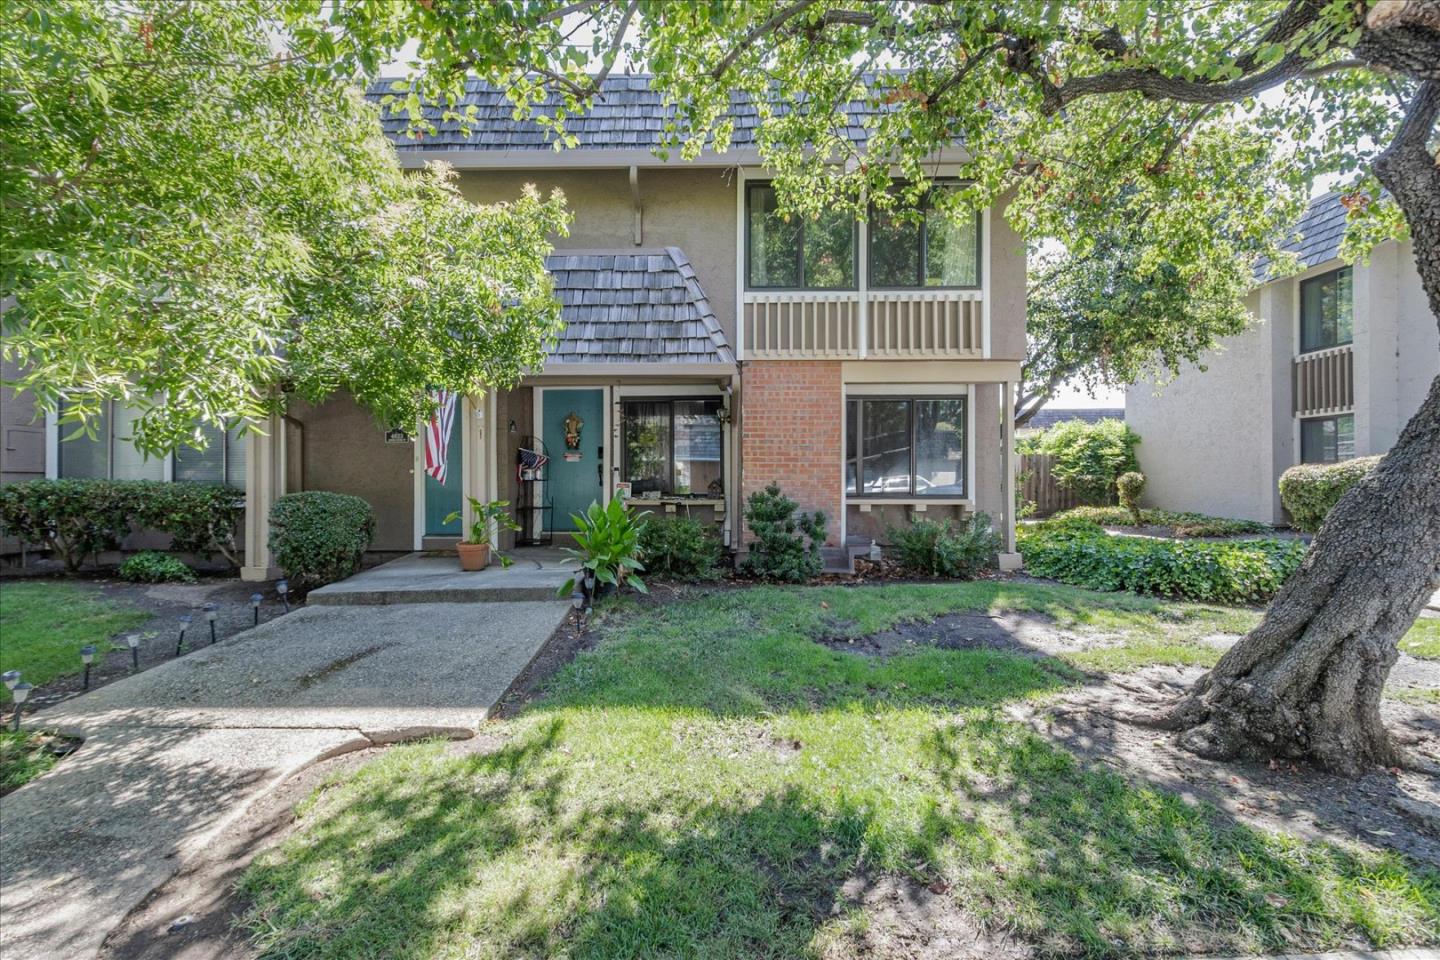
(1038, 486)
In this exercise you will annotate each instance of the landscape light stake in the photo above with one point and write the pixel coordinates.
(577, 600)
(87, 657)
(10, 678)
(255, 599)
(132, 640)
(282, 587)
(211, 612)
(185, 619)
(21, 693)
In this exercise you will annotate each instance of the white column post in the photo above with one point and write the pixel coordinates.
(1009, 557)
(263, 484)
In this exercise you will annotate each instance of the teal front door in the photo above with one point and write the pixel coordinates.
(574, 474)
(441, 500)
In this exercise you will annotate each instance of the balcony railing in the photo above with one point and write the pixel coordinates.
(845, 324)
(1324, 382)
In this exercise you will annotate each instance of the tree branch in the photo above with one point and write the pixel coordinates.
(779, 18)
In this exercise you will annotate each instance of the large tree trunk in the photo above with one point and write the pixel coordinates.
(1306, 683)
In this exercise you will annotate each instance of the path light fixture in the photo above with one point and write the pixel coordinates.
(255, 599)
(590, 583)
(185, 619)
(87, 657)
(577, 603)
(21, 693)
(132, 640)
(282, 587)
(10, 678)
(211, 612)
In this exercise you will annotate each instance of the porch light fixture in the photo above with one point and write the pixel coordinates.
(282, 587)
(211, 612)
(185, 619)
(21, 693)
(255, 599)
(87, 657)
(132, 640)
(10, 678)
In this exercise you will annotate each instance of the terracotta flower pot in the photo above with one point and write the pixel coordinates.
(473, 556)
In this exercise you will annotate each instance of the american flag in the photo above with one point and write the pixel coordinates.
(530, 460)
(437, 434)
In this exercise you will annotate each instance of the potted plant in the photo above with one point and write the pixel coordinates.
(486, 521)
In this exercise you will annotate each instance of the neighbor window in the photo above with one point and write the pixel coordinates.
(905, 447)
(1326, 310)
(672, 447)
(1327, 439)
(924, 246)
(110, 454)
(798, 253)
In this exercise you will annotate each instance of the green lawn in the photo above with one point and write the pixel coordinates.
(704, 782)
(23, 757)
(44, 625)
(1423, 640)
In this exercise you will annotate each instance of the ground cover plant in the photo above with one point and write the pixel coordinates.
(152, 566)
(44, 625)
(24, 755)
(1181, 524)
(1423, 640)
(710, 781)
(680, 548)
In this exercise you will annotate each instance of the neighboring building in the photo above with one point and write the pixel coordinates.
(1342, 357)
(710, 348)
(1047, 417)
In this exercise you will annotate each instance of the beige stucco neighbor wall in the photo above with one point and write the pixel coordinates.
(1007, 287)
(693, 209)
(1415, 341)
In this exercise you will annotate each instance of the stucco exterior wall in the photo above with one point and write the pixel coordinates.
(693, 209)
(22, 435)
(1417, 348)
(1007, 287)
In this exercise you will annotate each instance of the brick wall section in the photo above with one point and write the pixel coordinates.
(793, 432)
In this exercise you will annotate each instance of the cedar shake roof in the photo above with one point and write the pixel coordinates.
(634, 307)
(1317, 235)
(627, 115)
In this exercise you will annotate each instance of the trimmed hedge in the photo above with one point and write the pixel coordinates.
(949, 549)
(1310, 490)
(77, 518)
(318, 537)
(1236, 571)
(679, 548)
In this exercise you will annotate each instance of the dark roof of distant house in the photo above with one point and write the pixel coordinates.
(1316, 237)
(1049, 416)
(634, 307)
(628, 114)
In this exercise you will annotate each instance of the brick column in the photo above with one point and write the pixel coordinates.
(793, 433)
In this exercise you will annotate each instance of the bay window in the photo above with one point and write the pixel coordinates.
(111, 454)
(672, 447)
(796, 254)
(906, 447)
(924, 246)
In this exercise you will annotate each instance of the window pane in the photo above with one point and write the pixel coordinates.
(698, 447)
(647, 447)
(1345, 437)
(236, 448)
(1327, 310)
(894, 251)
(852, 445)
(940, 448)
(952, 250)
(128, 463)
(82, 456)
(1344, 307)
(1318, 441)
(830, 251)
(202, 466)
(774, 244)
(885, 441)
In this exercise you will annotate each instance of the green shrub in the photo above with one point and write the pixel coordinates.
(318, 537)
(152, 566)
(1078, 552)
(203, 519)
(1182, 524)
(1129, 486)
(946, 549)
(609, 539)
(679, 548)
(780, 550)
(1310, 490)
(1088, 457)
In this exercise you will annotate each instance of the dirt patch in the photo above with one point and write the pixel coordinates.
(1027, 634)
(911, 920)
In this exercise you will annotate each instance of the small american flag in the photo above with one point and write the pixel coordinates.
(437, 434)
(530, 460)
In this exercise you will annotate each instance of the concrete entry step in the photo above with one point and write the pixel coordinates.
(535, 574)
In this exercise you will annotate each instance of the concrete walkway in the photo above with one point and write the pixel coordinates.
(535, 574)
(172, 755)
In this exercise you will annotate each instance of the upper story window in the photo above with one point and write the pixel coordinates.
(924, 247)
(1326, 311)
(796, 254)
(110, 454)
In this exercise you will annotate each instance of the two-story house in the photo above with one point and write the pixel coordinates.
(1340, 358)
(710, 347)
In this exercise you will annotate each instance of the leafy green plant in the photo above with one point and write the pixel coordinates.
(318, 537)
(1129, 486)
(787, 542)
(1079, 552)
(1309, 490)
(152, 566)
(946, 549)
(1088, 457)
(1181, 524)
(202, 518)
(487, 519)
(679, 548)
(609, 539)
(73, 518)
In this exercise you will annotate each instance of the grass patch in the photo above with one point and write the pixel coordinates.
(44, 625)
(1423, 640)
(24, 755)
(1416, 696)
(704, 782)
